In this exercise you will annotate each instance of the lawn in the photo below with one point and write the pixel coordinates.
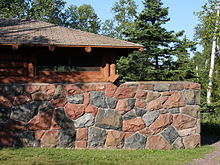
(49, 156)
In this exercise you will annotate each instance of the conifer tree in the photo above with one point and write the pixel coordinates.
(162, 47)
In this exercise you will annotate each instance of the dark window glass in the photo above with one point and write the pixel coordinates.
(68, 63)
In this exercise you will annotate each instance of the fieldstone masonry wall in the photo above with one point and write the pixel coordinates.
(151, 115)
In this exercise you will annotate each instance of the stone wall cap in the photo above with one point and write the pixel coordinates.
(158, 82)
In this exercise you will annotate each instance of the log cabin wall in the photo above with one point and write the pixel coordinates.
(39, 64)
(12, 64)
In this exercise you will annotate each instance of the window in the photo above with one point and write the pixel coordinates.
(58, 63)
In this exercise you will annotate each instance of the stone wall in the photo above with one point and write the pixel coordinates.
(151, 115)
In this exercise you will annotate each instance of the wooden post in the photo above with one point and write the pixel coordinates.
(31, 66)
(30, 69)
(113, 76)
(25, 66)
(106, 68)
(112, 65)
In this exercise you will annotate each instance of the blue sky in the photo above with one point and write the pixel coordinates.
(180, 12)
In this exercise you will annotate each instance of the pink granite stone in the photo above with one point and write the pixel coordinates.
(133, 125)
(74, 111)
(161, 123)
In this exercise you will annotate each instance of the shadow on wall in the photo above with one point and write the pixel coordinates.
(27, 114)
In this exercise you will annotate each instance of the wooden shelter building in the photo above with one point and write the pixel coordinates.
(34, 51)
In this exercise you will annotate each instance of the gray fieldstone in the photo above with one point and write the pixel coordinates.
(189, 97)
(14, 90)
(135, 141)
(25, 112)
(140, 112)
(150, 117)
(86, 120)
(163, 111)
(98, 99)
(76, 99)
(96, 137)
(112, 102)
(131, 103)
(108, 119)
(62, 119)
(4, 114)
(129, 115)
(161, 87)
(152, 96)
(45, 106)
(174, 110)
(26, 139)
(59, 92)
(67, 138)
(40, 96)
(197, 97)
(170, 134)
(178, 143)
(191, 110)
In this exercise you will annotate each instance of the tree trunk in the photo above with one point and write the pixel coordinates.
(212, 64)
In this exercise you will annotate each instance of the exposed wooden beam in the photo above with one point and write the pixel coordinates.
(141, 49)
(15, 46)
(88, 49)
(51, 47)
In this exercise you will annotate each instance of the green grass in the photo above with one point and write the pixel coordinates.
(52, 156)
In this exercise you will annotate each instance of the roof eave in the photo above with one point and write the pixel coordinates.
(77, 46)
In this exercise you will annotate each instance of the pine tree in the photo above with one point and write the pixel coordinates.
(162, 47)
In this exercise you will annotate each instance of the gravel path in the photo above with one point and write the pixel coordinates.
(210, 159)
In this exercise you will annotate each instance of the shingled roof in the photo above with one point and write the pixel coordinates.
(34, 33)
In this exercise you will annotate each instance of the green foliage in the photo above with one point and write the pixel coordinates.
(166, 55)
(124, 14)
(47, 10)
(53, 11)
(43, 10)
(108, 28)
(134, 67)
(204, 33)
(13, 8)
(83, 18)
(57, 156)
(205, 29)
